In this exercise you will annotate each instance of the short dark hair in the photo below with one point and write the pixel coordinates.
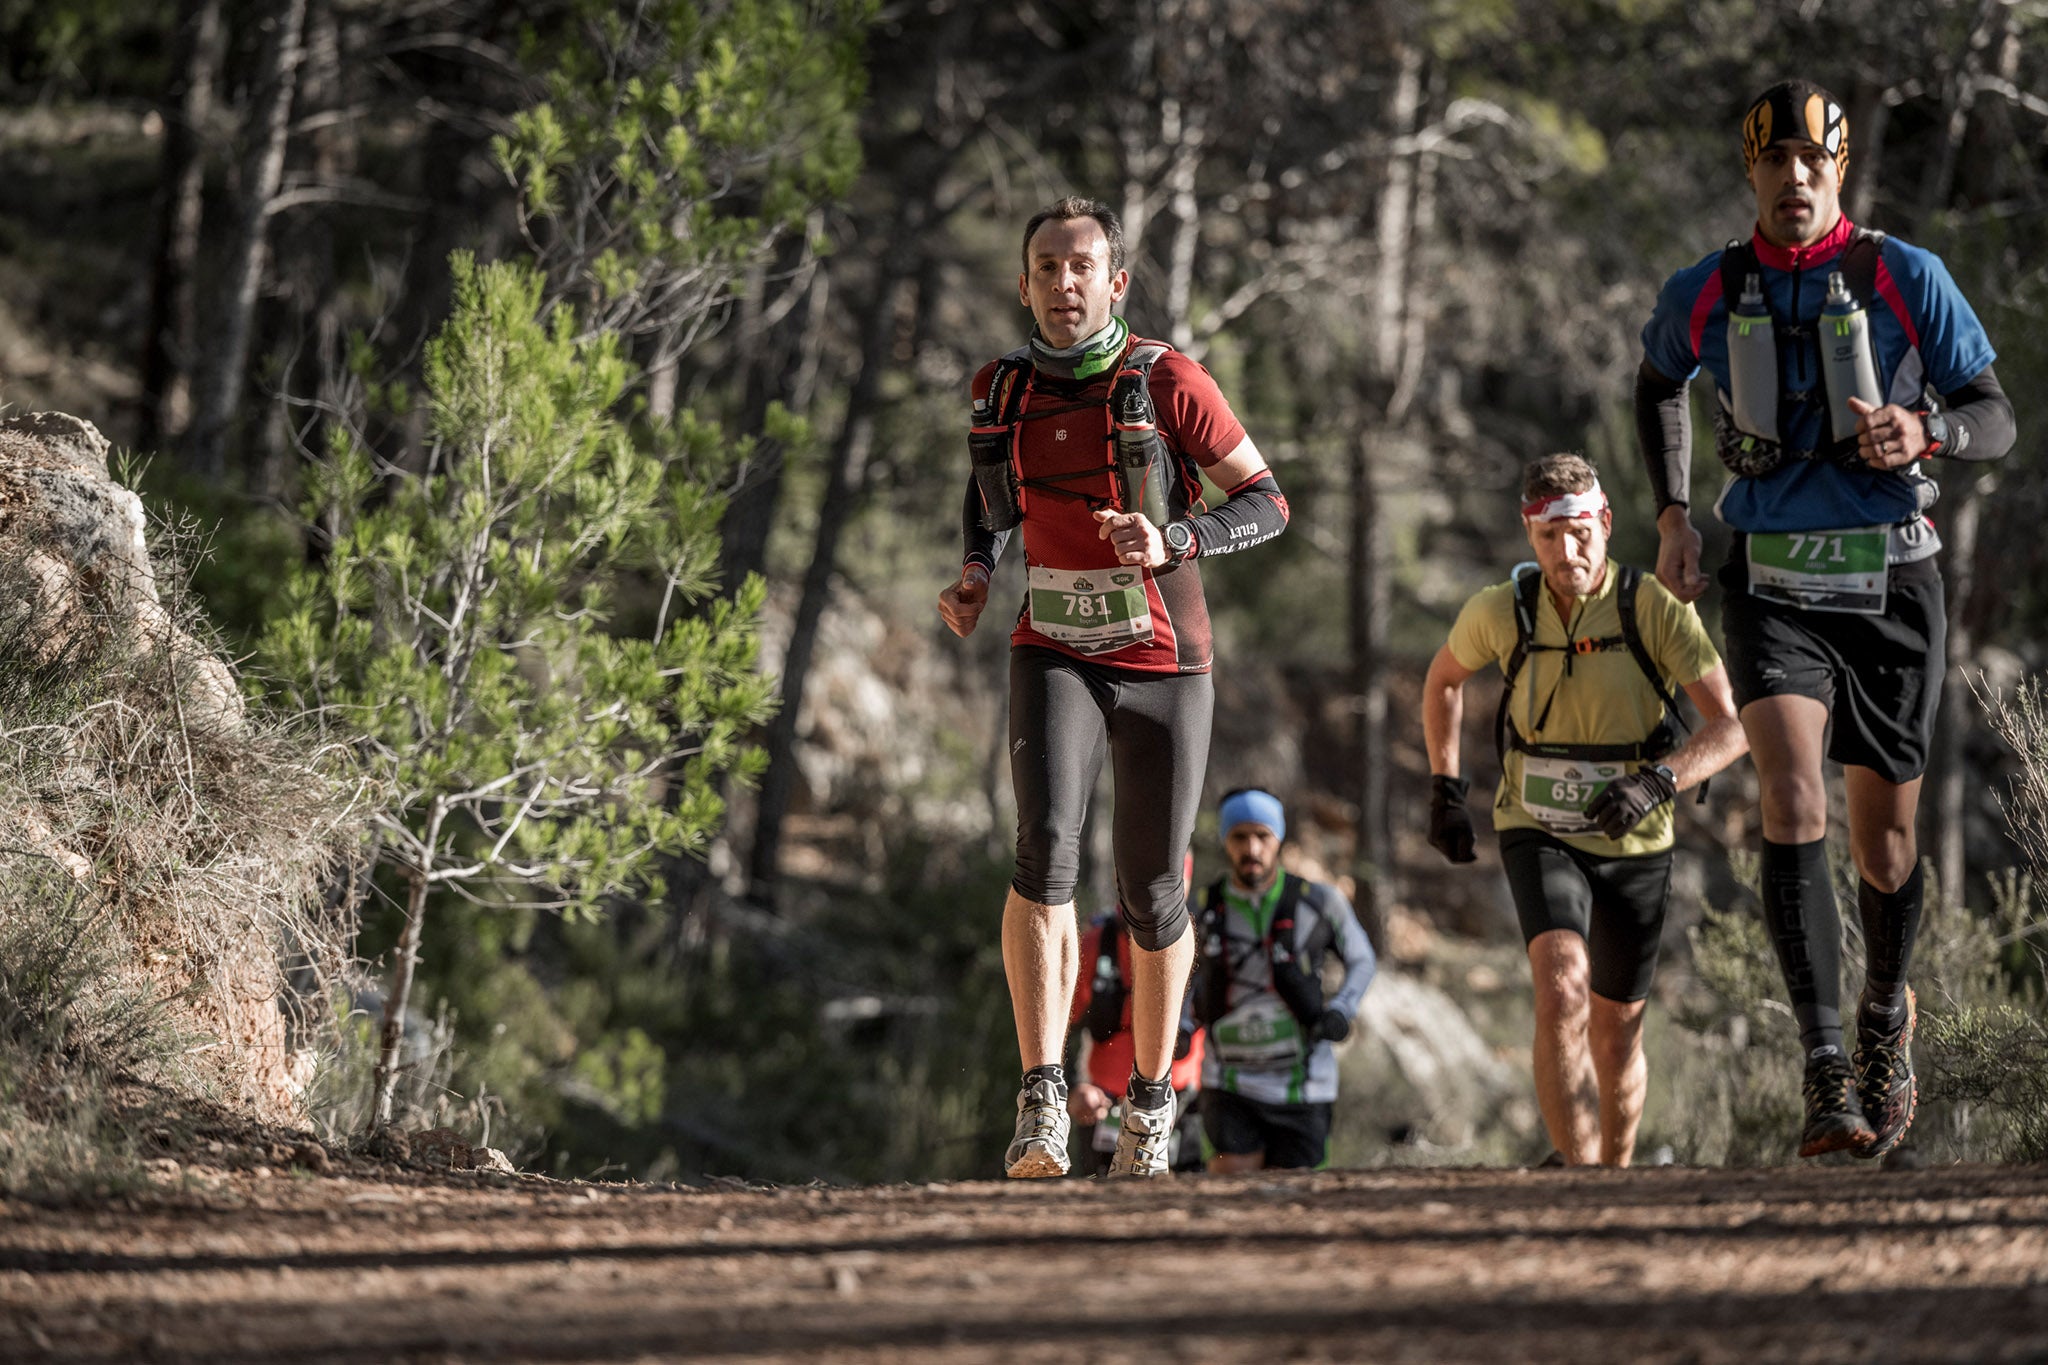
(1553, 475)
(1070, 208)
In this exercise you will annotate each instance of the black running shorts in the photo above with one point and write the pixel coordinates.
(1066, 715)
(1615, 904)
(1879, 676)
(1291, 1135)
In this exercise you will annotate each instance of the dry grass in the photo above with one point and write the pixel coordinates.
(166, 921)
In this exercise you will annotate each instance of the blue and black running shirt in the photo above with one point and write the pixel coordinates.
(1923, 333)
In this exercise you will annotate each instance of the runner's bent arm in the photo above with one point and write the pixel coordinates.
(1718, 741)
(1664, 433)
(1980, 420)
(1974, 423)
(1443, 711)
(1254, 512)
(1351, 943)
(961, 602)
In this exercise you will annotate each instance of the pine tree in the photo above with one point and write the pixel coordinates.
(459, 626)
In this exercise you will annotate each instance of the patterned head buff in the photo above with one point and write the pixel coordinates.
(1796, 109)
(1567, 506)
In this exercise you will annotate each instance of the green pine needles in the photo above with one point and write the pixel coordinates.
(466, 619)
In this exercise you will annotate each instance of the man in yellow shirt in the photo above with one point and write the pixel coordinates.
(1590, 764)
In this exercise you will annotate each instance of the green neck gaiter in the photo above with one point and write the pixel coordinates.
(1087, 357)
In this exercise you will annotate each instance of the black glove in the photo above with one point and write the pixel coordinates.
(1334, 1026)
(1621, 806)
(1450, 824)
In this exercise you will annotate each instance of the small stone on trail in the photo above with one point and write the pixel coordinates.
(443, 1147)
(491, 1159)
(390, 1144)
(1904, 1159)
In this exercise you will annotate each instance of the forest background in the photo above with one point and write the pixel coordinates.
(1414, 242)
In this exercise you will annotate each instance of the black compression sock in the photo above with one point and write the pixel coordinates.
(1051, 1071)
(1799, 908)
(1147, 1094)
(1891, 922)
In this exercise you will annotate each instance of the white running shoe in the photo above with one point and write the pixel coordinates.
(1040, 1147)
(1142, 1141)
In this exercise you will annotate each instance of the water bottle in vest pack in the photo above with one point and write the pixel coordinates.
(1753, 362)
(1846, 365)
(1140, 454)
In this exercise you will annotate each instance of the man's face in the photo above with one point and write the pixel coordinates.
(1572, 554)
(1067, 283)
(1254, 853)
(1798, 192)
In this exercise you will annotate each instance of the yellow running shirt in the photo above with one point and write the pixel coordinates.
(1605, 699)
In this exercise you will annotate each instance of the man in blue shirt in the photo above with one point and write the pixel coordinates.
(1834, 613)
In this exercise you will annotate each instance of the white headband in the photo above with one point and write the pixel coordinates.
(1567, 506)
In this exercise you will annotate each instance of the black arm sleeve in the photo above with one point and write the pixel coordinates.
(980, 547)
(1255, 512)
(1980, 420)
(1664, 429)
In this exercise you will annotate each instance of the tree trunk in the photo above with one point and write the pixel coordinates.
(1184, 127)
(391, 1037)
(309, 301)
(1373, 867)
(1868, 115)
(1960, 96)
(168, 343)
(844, 469)
(1958, 709)
(220, 384)
(1980, 177)
(1373, 864)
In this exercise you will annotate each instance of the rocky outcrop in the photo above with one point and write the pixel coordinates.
(80, 540)
(194, 834)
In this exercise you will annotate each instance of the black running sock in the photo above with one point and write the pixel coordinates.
(1147, 1094)
(1891, 922)
(1799, 908)
(1051, 1071)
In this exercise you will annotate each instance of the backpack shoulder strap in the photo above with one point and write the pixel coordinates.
(1859, 264)
(1214, 914)
(1738, 261)
(1006, 386)
(1528, 597)
(1626, 588)
(1280, 932)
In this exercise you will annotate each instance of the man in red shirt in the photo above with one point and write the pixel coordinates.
(1095, 444)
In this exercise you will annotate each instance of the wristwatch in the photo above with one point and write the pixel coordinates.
(1669, 776)
(1180, 541)
(1939, 433)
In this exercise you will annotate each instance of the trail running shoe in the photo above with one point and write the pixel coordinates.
(1142, 1139)
(1040, 1146)
(1885, 1083)
(1834, 1118)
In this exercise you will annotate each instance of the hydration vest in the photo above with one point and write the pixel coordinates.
(1002, 414)
(1752, 456)
(1298, 986)
(1528, 598)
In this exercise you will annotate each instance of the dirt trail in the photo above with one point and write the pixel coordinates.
(1494, 1266)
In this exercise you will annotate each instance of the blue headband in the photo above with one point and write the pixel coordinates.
(1254, 807)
